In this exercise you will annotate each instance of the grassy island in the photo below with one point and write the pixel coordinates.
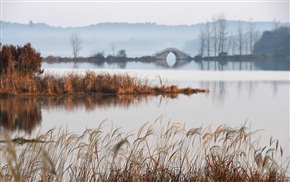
(90, 83)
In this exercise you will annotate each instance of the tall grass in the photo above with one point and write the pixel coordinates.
(90, 83)
(154, 153)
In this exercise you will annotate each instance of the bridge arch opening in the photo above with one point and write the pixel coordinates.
(171, 59)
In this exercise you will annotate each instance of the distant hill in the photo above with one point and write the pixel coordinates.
(137, 39)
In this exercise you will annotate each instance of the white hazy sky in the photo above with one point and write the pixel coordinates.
(80, 13)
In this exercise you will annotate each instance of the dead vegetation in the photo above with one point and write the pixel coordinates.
(90, 83)
(154, 153)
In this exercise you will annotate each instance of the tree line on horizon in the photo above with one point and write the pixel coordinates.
(215, 39)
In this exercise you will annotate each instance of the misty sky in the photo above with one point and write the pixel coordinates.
(80, 13)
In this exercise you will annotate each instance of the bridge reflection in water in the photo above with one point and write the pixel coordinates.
(171, 59)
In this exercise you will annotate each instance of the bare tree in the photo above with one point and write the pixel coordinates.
(251, 35)
(113, 46)
(230, 42)
(246, 42)
(240, 38)
(202, 42)
(234, 45)
(76, 42)
(207, 37)
(222, 32)
(215, 34)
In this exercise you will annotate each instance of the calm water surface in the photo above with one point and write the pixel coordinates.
(277, 65)
(259, 98)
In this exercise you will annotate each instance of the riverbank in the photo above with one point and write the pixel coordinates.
(241, 58)
(87, 83)
(169, 152)
(98, 60)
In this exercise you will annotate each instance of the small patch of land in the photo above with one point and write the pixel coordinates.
(98, 60)
(240, 58)
(90, 83)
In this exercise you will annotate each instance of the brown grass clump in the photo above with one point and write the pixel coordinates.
(76, 84)
(154, 153)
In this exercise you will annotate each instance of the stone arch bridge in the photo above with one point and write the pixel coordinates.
(181, 57)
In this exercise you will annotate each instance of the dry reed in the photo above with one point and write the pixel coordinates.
(154, 153)
(90, 83)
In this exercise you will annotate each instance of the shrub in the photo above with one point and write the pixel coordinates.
(24, 60)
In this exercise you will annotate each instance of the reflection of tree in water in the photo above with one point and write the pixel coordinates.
(92, 102)
(122, 64)
(281, 65)
(212, 65)
(20, 113)
(219, 89)
(277, 65)
(24, 113)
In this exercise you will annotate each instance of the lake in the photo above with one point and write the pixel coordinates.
(254, 93)
(265, 65)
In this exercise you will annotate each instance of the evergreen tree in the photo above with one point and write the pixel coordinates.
(274, 43)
